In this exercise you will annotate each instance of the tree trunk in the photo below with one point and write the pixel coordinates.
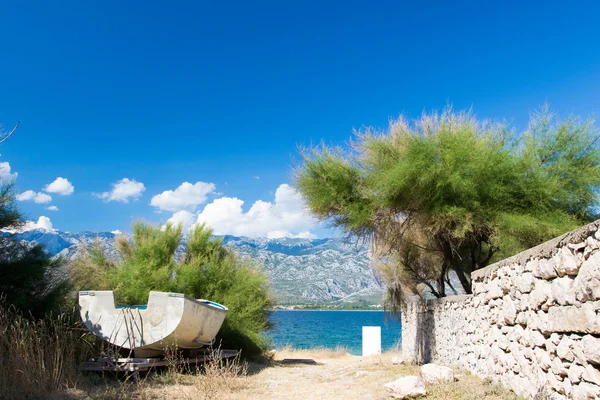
(464, 281)
(441, 282)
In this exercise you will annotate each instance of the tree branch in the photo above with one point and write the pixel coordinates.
(11, 132)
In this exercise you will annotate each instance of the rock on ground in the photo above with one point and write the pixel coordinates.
(397, 360)
(437, 373)
(407, 387)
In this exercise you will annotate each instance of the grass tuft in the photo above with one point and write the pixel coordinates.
(38, 357)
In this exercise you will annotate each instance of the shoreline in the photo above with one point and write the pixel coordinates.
(310, 309)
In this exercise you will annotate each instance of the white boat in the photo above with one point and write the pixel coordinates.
(169, 319)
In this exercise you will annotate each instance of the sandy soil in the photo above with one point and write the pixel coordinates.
(345, 377)
(336, 375)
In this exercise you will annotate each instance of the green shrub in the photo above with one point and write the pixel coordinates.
(30, 279)
(208, 270)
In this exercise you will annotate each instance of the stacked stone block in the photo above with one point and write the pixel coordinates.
(532, 322)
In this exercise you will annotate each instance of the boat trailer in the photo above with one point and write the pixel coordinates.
(133, 364)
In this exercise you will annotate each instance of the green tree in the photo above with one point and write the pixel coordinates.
(449, 193)
(207, 269)
(9, 214)
(30, 279)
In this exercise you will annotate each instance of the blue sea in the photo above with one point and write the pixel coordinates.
(304, 329)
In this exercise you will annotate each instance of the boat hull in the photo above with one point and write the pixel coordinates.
(169, 320)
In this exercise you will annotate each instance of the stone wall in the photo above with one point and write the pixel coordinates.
(532, 322)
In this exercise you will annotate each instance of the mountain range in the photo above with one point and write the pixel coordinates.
(301, 271)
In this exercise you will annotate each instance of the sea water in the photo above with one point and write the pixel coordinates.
(304, 329)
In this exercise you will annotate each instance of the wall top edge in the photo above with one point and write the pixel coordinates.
(447, 299)
(544, 250)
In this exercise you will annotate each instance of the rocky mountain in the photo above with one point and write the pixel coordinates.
(302, 271)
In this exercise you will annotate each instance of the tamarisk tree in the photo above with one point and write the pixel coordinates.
(448, 194)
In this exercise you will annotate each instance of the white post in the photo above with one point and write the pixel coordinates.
(371, 340)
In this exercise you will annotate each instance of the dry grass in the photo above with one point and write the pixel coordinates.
(219, 377)
(312, 353)
(110, 388)
(207, 381)
(215, 379)
(37, 358)
(466, 387)
(470, 387)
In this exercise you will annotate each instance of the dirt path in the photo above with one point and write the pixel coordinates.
(346, 377)
(335, 376)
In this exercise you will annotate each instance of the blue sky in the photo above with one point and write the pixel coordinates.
(163, 93)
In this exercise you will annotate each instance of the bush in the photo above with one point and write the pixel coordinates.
(30, 279)
(208, 270)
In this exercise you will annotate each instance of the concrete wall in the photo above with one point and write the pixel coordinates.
(532, 323)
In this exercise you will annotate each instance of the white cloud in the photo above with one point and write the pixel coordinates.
(52, 208)
(185, 197)
(5, 174)
(116, 232)
(60, 186)
(183, 217)
(286, 215)
(306, 235)
(123, 191)
(26, 195)
(42, 198)
(43, 223)
(257, 177)
(39, 198)
(281, 234)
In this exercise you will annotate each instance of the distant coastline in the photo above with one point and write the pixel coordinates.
(319, 309)
(329, 307)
